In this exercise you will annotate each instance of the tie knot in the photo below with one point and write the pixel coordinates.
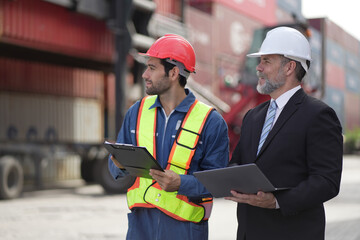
(273, 105)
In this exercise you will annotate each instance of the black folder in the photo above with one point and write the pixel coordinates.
(247, 178)
(136, 160)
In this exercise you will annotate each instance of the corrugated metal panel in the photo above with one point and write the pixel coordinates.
(334, 32)
(87, 113)
(169, 8)
(32, 77)
(334, 75)
(45, 118)
(353, 81)
(350, 43)
(262, 11)
(58, 169)
(200, 27)
(335, 52)
(41, 25)
(352, 61)
(352, 110)
(335, 99)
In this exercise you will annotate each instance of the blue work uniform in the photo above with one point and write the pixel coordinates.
(212, 152)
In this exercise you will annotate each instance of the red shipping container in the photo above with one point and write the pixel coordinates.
(351, 43)
(169, 8)
(334, 75)
(232, 32)
(334, 32)
(33, 77)
(200, 27)
(352, 111)
(262, 11)
(41, 25)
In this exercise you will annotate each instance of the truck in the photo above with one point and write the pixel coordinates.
(64, 68)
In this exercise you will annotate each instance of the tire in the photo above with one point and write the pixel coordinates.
(11, 178)
(87, 170)
(110, 185)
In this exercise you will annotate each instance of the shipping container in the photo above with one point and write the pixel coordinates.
(352, 111)
(352, 61)
(200, 27)
(335, 53)
(335, 98)
(334, 75)
(42, 78)
(334, 32)
(169, 8)
(353, 81)
(44, 26)
(45, 118)
(261, 11)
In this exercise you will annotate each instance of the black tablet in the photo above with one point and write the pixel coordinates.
(247, 178)
(136, 160)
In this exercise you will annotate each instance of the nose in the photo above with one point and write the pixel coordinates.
(259, 67)
(145, 74)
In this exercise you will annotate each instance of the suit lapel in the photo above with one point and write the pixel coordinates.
(290, 108)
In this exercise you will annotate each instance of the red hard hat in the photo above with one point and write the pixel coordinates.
(174, 47)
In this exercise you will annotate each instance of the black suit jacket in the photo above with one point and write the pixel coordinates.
(303, 151)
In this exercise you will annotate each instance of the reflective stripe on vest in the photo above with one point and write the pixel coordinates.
(146, 192)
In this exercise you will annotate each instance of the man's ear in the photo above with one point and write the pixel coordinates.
(174, 73)
(290, 67)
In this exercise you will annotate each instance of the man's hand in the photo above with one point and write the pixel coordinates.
(116, 162)
(168, 180)
(261, 199)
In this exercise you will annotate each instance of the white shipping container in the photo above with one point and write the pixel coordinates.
(31, 117)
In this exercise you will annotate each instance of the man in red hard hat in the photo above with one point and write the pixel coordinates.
(184, 135)
(295, 140)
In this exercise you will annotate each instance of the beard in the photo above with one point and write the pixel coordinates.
(159, 87)
(270, 86)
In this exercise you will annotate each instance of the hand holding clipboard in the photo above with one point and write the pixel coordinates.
(136, 160)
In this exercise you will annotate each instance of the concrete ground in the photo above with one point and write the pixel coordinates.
(82, 212)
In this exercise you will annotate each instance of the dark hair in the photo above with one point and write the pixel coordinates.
(168, 66)
(299, 70)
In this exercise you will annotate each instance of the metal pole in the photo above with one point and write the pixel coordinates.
(123, 44)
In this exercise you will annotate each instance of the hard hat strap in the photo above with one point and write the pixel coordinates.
(183, 71)
(300, 60)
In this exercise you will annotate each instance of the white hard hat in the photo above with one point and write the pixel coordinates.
(288, 42)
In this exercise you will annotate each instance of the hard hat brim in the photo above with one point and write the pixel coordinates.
(258, 54)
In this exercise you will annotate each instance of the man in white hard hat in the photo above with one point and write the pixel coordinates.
(296, 140)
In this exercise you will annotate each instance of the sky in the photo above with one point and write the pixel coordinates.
(344, 13)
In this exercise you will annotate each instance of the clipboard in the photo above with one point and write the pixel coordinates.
(136, 160)
(247, 178)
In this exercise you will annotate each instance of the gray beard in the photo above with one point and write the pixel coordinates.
(268, 87)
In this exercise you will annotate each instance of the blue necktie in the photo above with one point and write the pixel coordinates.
(267, 124)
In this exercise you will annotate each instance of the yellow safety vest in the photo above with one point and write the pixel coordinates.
(146, 192)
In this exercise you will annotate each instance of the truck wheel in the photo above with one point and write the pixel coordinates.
(11, 178)
(110, 185)
(87, 170)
